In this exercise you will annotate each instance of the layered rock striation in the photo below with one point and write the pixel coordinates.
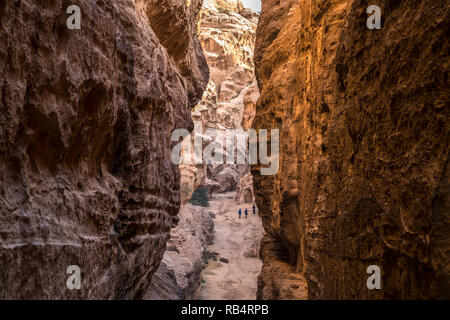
(85, 123)
(364, 131)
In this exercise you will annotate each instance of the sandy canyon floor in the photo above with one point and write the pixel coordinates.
(237, 241)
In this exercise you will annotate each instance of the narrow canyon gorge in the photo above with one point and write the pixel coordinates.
(89, 180)
(211, 253)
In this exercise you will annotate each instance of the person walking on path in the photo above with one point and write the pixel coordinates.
(254, 209)
(246, 213)
(239, 213)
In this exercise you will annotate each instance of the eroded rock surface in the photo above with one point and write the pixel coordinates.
(244, 190)
(85, 123)
(227, 34)
(232, 268)
(178, 276)
(364, 124)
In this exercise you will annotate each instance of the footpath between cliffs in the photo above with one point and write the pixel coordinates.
(231, 261)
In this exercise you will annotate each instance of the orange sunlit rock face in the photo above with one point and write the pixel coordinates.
(364, 123)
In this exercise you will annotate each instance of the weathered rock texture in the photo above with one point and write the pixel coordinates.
(278, 280)
(178, 276)
(85, 123)
(244, 190)
(227, 34)
(364, 123)
(227, 103)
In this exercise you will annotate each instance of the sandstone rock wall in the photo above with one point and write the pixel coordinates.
(364, 123)
(178, 276)
(227, 37)
(85, 123)
(244, 188)
(227, 34)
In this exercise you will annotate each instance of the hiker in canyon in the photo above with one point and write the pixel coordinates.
(254, 209)
(205, 263)
(91, 121)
